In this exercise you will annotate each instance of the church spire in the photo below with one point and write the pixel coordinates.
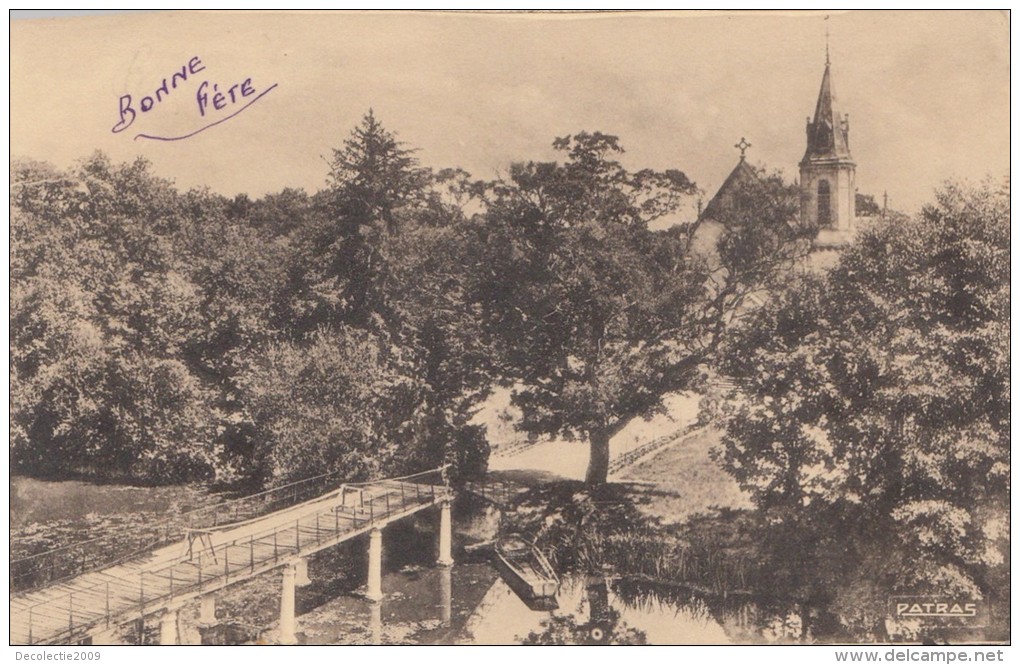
(828, 134)
(826, 41)
(828, 172)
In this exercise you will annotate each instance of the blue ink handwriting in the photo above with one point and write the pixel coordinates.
(147, 103)
(209, 98)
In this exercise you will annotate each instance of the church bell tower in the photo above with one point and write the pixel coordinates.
(827, 170)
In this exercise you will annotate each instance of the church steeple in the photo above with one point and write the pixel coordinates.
(828, 171)
(828, 135)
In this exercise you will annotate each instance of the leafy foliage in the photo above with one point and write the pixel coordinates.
(874, 434)
(593, 315)
(101, 312)
(340, 401)
(866, 206)
(160, 336)
(603, 625)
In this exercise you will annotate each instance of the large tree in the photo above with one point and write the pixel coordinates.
(380, 254)
(339, 400)
(102, 311)
(592, 315)
(873, 432)
(340, 270)
(158, 335)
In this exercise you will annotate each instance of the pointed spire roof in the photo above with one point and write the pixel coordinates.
(828, 134)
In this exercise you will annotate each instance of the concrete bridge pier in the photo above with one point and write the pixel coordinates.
(375, 623)
(288, 622)
(168, 626)
(107, 636)
(445, 535)
(446, 594)
(147, 611)
(302, 572)
(207, 610)
(374, 591)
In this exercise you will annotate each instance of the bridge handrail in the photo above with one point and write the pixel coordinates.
(185, 513)
(165, 536)
(407, 477)
(188, 519)
(264, 492)
(336, 492)
(251, 538)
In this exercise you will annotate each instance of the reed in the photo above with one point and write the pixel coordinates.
(604, 533)
(667, 558)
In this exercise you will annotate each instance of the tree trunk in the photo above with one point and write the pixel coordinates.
(598, 460)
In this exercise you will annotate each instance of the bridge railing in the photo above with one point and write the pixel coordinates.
(55, 565)
(262, 503)
(204, 566)
(498, 492)
(518, 447)
(630, 457)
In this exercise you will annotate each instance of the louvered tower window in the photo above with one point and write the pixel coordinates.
(824, 207)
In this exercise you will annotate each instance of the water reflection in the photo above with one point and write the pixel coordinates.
(375, 622)
(601, 624)
(469, 603)
(446, 594)
(591, 611)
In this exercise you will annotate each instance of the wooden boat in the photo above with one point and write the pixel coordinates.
(525, 569)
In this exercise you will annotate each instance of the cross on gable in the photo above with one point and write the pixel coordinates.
(742, 147)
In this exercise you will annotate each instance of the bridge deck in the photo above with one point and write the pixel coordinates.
(210, 559)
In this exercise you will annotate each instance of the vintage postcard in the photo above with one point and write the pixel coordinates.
(499, 328)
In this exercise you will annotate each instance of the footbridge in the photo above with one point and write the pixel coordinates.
(222, 545)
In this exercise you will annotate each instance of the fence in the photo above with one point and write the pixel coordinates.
(100, 596)
(67, 561)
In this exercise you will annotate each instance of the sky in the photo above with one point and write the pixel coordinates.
(927, 91)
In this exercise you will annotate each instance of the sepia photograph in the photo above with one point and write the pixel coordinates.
(510, 328)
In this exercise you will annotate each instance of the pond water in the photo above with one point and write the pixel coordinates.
(470, 603)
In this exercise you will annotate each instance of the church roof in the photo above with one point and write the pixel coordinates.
(723, 199)
(828, 134)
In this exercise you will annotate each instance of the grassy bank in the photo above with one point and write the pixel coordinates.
(683, 480)
(676, 517)
(604, 531)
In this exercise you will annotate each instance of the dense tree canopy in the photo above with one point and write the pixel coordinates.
(595, 316)
(874, 430)
(103, 316)
(159, 335)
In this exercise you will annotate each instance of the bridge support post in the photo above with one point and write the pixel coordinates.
(207, 610)
(445, 535)
(107, 636)
(446, 594)
(302, 572)
(288, 622)
(374, 591)
(375, 623)
(168, 627)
